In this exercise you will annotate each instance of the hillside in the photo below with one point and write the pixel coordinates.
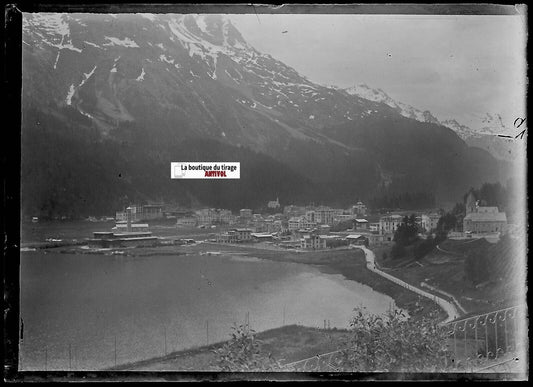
(118, 97)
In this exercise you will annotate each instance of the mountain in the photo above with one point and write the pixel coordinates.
(378, 95)
(110, 100)
(482, 130)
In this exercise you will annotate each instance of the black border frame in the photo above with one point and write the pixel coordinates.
(11, 156)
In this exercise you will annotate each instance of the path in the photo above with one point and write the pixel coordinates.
(448, 252)
(448, 307)
(425, 285)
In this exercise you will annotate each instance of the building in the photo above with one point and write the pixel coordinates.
(471, 203)
(485, 220)
(430, 221)
(206, 216)
(152, 211)
(374, 227)
(244, 234)
(389, 224)
(325, 215)
(188, 221)
(209, 216)
(359, 209)
(343, 218)
(358, 239)
(361, 224)
(245, 213)
(301, 222)
(236, 235)
(227, 237)
(134, 227)
(141, 213)
(324, 229)
(273, 203)
(225, 216)
(312, 242)
(375, 239)
(293, 211)
(261, 237)
(105, 239)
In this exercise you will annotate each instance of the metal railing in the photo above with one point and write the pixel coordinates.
(483, 342)
(485, 338)
(323, 362)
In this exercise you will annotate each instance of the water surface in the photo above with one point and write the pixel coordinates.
(76, 307)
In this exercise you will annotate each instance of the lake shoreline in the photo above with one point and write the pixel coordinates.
(350, 263)
(287, 344)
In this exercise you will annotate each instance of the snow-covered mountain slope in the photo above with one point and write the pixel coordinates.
(378, 95)
(170, 56)
(150, 82)
(476, 130)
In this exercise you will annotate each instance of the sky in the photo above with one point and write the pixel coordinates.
(454, 66)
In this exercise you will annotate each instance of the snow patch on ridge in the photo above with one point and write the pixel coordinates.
(73, 89)
(126, 42)
(141, 77)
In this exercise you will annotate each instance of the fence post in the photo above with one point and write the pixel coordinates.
(165, 340)
(115, 351)
(46, 358)
(69, 356)
(207, 331)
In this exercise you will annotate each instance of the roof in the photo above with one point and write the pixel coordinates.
(486, 217)
(487, 209)
(361, 220)
(354, 236)
(391, 217)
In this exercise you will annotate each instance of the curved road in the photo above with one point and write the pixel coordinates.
(448, 307)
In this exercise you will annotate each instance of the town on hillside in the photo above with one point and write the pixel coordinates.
(315, 227)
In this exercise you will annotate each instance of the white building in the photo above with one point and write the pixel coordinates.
(245, 213)
(361, 224)
(187, 222)
(359, 209)
(430, 221)
(273, 203)
(313, 242)
(302, 222)
(389, 224)
(485, 220)
(210, 215)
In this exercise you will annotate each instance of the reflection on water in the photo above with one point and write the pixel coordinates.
(76, 307)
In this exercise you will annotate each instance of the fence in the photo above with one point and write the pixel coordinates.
(115, 348)
(489, 342)
(486, 342)
(489, 338)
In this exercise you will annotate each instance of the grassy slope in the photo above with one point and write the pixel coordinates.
(445, 270)
(287, 344)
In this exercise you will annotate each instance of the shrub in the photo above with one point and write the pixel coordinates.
(394, 343)
(242, 353)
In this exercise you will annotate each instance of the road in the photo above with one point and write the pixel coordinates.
(447, 306)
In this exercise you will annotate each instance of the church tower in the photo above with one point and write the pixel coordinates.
(471, 203)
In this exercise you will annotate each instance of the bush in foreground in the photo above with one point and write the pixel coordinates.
(390, 343)
(243, 353)
(393, 343)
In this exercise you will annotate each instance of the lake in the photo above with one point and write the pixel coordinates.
(78, 308)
